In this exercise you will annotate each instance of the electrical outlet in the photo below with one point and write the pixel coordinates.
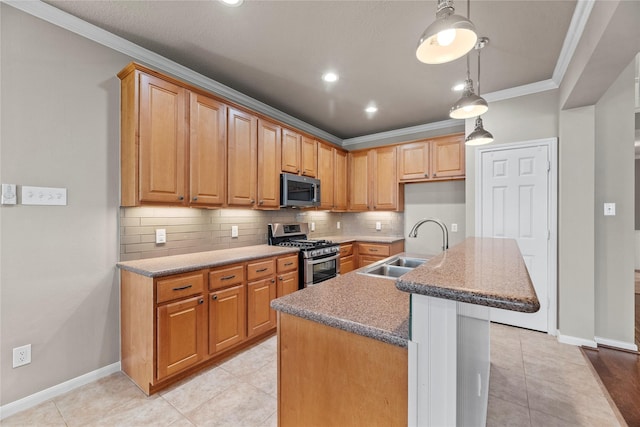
(9, 194)
(338, 225)
(234, 231)
(22, 355)
(609, 209)
(312, 226)
(378, 225)
(454, 228)
(161, 235)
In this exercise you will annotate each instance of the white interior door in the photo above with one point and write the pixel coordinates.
(515, 204)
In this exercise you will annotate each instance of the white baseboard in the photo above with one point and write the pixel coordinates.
(568, 339)
(51, 392)
(617, 344)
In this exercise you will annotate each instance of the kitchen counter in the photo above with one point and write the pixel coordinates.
(481, 271)
(167, 265)
(366, 239)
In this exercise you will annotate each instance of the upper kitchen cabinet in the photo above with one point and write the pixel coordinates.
(268, 185)
(373, 180)
(434, 159)
(326, 175)
(242, 158)
(207, 142)
(341, 183)
(299, 154)
(153, 139)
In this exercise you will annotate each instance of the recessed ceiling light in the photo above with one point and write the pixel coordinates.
(233, 3)
(371, 109)
(330, 77)
(458, 87)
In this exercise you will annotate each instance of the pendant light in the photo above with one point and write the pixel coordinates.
(470, 104)
(479, 136)
(448, 38)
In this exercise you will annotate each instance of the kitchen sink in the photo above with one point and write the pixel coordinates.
(393, 268)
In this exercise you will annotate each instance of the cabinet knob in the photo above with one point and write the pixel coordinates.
(281, 278)
(180, 197)
(252, 201)
(427, 175)
(435, 174)
(261, 202)
(273, 281)
(375, 207)
(201, 301)
(195, 198)
(298, 171)
(214, 297)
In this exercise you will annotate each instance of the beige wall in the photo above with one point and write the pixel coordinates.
(614, 235)
(59, 128)
(576, 241)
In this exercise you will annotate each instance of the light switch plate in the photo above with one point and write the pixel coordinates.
(378, 225)
(609, 209)
(44, 196)
(161, 235)
(9, 196)
(338, 225)
(312, 226)
(454, 228)
(234, 231)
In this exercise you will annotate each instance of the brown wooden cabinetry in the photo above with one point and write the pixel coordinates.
(287, 268)
(347, 263)
(261, 290)
(242, 158)
(441, 158)
(268, 185)
(373, 182)
(326, 175)
(368, 253)
(299, 153)
(227, 307)
(341, 182)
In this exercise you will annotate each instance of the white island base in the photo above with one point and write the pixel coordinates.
(448, 362)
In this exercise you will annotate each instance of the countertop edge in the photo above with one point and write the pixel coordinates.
(342, 324)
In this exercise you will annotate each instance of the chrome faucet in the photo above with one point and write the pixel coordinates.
(445, 232)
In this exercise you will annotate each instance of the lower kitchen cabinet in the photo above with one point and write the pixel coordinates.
(260, 316)
(347, 259)
(368, 253)
(227, 318)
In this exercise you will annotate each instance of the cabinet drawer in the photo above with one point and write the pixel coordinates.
(226, 276)
(346, 264)
(289, 263)
(373, 249)
(259, 269)
(179, 287)
(346, 250)
(368, 259)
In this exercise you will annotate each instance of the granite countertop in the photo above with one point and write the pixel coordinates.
(367, 239)
(482, 271)
(364, 305)
(167, 265)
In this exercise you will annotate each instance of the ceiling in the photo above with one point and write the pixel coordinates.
(276, 52)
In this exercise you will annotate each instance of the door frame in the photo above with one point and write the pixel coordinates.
(552, 191)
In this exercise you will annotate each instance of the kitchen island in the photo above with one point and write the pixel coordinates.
(362, 350)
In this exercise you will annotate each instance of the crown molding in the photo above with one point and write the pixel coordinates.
(403, 132)
(515, 92)
(76, 25)
(574, 33)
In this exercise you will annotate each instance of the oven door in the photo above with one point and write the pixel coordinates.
(322, 268)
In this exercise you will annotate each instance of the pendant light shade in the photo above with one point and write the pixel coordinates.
(479, 136)
(470, 105)
(448, 38)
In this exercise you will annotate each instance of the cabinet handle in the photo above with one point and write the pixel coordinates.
(195, 198)
(298, 171)
(373, 250)
(286, 264)
(435, 174)
(181, 198)
(252, 201)
(262, 269)
(214, 297)
(273, 281)
(228, 277)
(261, 202)
(201, 301)
(182, 288)
(427, 175)
(375, 207)
(281, 278)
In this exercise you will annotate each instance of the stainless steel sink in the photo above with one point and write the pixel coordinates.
(394, 267)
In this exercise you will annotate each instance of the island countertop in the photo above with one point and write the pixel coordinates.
(480, 270)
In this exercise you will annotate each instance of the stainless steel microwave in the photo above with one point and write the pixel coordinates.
(299, 191)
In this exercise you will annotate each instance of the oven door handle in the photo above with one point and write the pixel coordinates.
(312, 261)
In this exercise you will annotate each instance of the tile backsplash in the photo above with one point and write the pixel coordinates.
(197, 230)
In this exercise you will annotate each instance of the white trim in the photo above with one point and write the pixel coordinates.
(51, 392)
(403, 132)
(617, 344)
(76, 25)
(574, 33)
(552, 271)
(515, 92)
(567, 339)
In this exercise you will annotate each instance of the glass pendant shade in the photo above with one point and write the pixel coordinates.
(448, 38)
(479, 136)
(470, 105)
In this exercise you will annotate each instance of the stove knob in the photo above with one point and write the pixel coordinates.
(314, 253)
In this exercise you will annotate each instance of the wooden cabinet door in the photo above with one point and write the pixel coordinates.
(227, 314)
(385, 179)
(182, 335)
(341, 184)
(359, 181)
(287, 283)
(162, 141)
(326, 175)
(290, 151)
(413, 161)
(347, 264)
(207, 142)
(242, 155)
(447, 157)
(269, 137)
(309, 157)
(260, 316)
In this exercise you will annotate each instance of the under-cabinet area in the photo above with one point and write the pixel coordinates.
(173, 325)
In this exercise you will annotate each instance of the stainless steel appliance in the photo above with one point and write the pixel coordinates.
(319, 259)
(299, 191)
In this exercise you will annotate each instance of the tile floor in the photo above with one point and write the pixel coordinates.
(535, 381)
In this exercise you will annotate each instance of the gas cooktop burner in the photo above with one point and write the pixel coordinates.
(306, 244)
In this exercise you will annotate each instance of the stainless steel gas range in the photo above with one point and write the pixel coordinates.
(319, 259)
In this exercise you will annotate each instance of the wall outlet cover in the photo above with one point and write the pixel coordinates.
(9, 196)
(161, 235)
(609, 209)
(48, 196)
(378, 225)
(234, 231)
(22, 355)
